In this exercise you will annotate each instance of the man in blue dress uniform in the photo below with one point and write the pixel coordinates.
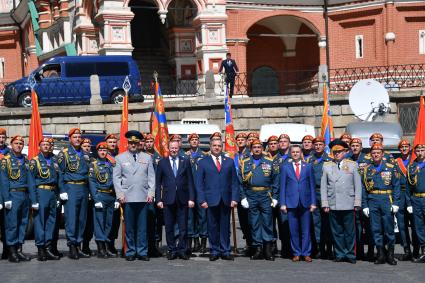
(103, 194)
(4, 150)
(14, 180)
(74, 167)
(259, 195)
(380, 201)
(197, 219)
(416, 180)
(322, 231)
(405, 203)
(44, 192)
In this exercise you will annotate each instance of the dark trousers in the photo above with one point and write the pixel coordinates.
(343, 232)
(418, 205)
(116, 222)
(284, 234)
(102, 217)
(75, 213)
(45, 217)
(16, 218)
(244, 223)
(135, 216)
(176, 214)
(89, 229)
(299, 224)
(218, 222)
(403, 221)
(382, 220)
(230, 82)
(260, 218)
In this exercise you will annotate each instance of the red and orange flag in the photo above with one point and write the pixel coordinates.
(420, 127)
(36, 131)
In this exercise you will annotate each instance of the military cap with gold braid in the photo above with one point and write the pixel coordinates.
(111, 136)
(420, 146)
(376, 136)
(345, 136)
(46, 139)
(134, 136)
(216, 135)
(253, 135)
(175, 137)
(284, 136)
(377, 146)
(86, 140)
(256, 141)
(337, 145)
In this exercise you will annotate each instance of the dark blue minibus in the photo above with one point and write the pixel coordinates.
(68, 80)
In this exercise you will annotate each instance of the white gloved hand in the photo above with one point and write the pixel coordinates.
(394, 208)
(366, 211)
(98, 205)
(63, 196)
(8, 204)
(116, 205)
(244, 203)
(1, 206)
(274, 203)
(409, 209)
(58, 203)
(35, 206)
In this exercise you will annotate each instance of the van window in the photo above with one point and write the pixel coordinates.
(80, 69)
(112, 68)
(51, 71)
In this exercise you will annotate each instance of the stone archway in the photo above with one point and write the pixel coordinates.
(287, 44)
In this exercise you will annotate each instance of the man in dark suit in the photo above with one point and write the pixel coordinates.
(298, 199)
(175, 193)
(217, 190)
(230, 69)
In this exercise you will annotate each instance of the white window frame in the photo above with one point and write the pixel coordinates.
(2, 68)
(359, 43)
(422, 41)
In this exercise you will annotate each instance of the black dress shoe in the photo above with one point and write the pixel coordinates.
(339, 259)
(171, 256)
(130, 258)
(21, 255)
(184, 256)
(73, 254)
(351, 260)
(227, 257)
(82, 254)
(143, 258)
(214, 257)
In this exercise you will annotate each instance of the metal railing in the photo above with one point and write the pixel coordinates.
(394, 77)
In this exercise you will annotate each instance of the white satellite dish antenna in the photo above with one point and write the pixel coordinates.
(368, 98)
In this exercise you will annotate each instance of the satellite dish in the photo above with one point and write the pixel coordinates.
(368, 98)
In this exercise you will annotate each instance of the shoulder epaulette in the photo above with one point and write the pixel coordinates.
(328, 162)
(245, 159)
(390, 165)
(65, 149)
(205, 152)
(269, 158)
(349, 160)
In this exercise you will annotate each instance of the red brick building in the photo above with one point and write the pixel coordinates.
(278, 44)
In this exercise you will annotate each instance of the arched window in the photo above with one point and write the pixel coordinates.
(265, 81)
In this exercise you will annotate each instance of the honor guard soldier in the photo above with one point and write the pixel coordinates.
(112, 144)
(156, 215)
(405, 203)
(251, 137)
(341, 189)
(259, 195)
(307, 143)
(86, 145)
(243, 152)
(43, 191)
(197, 218)
(416, 180)
(4, 150)
(15, 177)
(346, 137)
(380, 201)
(74, 167)
(378, 138)
(362, 222)
(322, 231)
(103, 195)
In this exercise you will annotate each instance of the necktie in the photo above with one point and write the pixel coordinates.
(217, 163)
(135, 157)
(339, 165)
(297, 170)
(174, 167)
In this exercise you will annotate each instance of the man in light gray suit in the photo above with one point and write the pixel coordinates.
(134, 183)
(341, 190)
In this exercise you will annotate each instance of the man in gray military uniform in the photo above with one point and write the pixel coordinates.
(341, 190)
(134, 183)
